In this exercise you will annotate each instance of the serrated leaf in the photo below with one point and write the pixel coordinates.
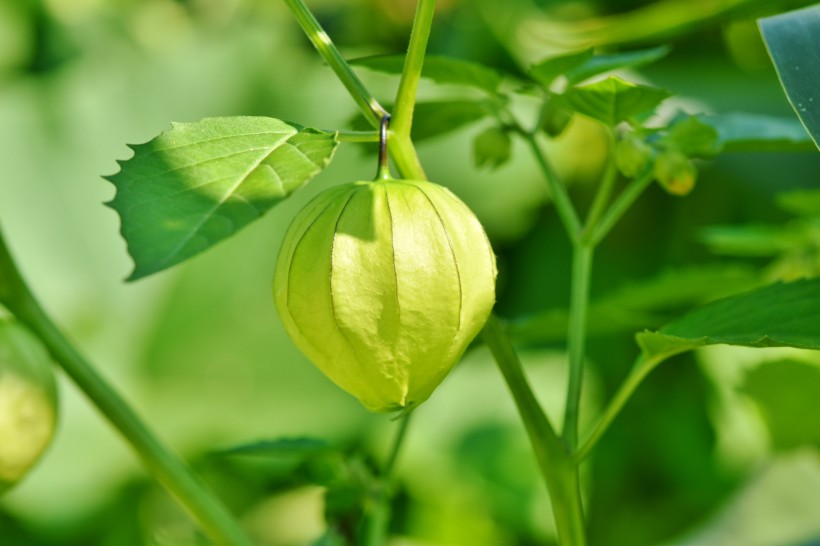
(279, 447)
(793, 41)
(199, 183)
(693, 137)
(545, 71)
(600, 64)
(742, 132)
(440, 69)
(786, 392)
(614, 100)
(432, 119)
(779, 315)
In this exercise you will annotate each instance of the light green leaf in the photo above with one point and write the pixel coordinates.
(793, 41)
(614, 100)
(444, 70)
(599, 64)
(545, 71)
(693, 137)
(741, 132)
(786, 392)
(752, 240)
(801, 202)
(779, 315)
(492, 148)
(199, 183)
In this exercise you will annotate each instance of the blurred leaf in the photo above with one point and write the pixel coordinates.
(545, 71)
(644, 304)
(793, 40)
(751, 240)
(199, 183)
(431, 119)
(445, 70)
(280, 447)
(330, 538)
(492, 148)
(614, 100)
(693, 137)
(742, 132)
(800, 202)
(779, 315)
(599, 64)
(786, 392)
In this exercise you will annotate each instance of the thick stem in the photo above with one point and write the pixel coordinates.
(559, 470)
(175, 475)
(369, 106)
(576, 339)
(406, 94)
(377, 525)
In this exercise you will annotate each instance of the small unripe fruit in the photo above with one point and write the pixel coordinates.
(675, 172)
(28, 402)
(382, 285)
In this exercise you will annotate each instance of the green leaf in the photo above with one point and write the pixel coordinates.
(800, 202)
(599, 64)
(299, 447)
(443, 70)
(741, 132)
(752, 240)
(793, 40)
(545, 71)
(779, 315)
(432, 119)
(786, 392)
(492, 148)
(693, 137)
(614, 100)
(198, 183)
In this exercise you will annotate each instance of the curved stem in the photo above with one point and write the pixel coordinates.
(576, 339)
(621, 205)
(377, 525)
(174, 474)
(406, 94)
(369, 106)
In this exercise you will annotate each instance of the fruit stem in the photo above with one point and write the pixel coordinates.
(174, 474)
(383, 172)
(621, 205)
(370, 107)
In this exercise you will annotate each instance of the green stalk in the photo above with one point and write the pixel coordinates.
(174, 474)
(377, 525)
(621, 205)
(559, 470)
(602, 197)
(576, 339)
(369, 106)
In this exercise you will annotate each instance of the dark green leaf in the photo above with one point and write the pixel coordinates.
(793, 40)
(786, 392)
(444, 70)
(199, 183)
(280, 447)
(432, 119)
(693, 137)
(492, 147)
(545, 71)
(600, 64)
(741, 132)
(779, 315)
(614, 100)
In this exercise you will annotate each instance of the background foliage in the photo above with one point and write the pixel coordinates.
(200, 351)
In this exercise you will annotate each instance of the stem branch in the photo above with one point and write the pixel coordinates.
(621, 205)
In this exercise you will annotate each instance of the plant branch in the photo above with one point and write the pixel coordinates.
(174, 474)
(357, 136)
(602, 197)
(621, 205)
(413, 62)
(370, 107)
(576, 339)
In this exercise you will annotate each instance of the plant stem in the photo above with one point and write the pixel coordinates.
(601, 200)
(369, 106)
(357, 136)
(559, 470)
(377, 525)
(413, 62)
(576, 338)
(558, 191)
(621, 205)
(174, 474)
